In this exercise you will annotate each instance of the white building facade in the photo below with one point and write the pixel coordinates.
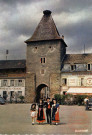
(12, 88)
(12, 79)
(76, 77)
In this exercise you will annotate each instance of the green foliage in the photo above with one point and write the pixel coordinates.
(62, 99)
(58, 98)
(22, 99)
(70, 99)
(80, 99)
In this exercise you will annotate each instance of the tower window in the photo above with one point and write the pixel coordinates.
(42, 60)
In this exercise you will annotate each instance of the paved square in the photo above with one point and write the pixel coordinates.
(15, 119)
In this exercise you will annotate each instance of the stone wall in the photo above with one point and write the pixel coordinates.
(55, 80)
(53, 52)
(30, 88)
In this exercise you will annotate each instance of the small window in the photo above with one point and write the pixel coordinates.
(82, 79)
(11, 82)
(64, 81)
(5, 83)
(73, 67)
(16, 83)
(42, 60)
(89, 67)
(19, 82)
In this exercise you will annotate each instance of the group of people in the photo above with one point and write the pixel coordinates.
(52, 111)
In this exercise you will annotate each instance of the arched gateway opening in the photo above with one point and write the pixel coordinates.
(42, 91)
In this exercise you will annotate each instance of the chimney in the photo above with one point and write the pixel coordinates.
(63, 37)
(47, 12)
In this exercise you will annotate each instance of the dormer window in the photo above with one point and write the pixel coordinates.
(73, 67)
(42, 60)
(89, 67)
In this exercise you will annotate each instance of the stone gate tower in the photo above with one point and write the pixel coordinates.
(45, 54)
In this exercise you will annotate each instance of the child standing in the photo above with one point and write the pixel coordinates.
(33, 112)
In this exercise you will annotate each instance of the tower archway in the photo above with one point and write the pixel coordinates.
(42, 91)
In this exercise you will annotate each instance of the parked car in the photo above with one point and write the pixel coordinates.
(2, 101)
(89, 104)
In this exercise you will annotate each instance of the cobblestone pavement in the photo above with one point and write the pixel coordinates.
(15, 119)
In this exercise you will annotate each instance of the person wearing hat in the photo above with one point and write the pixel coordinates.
(55, 112)
(48, 106)
(40, 114)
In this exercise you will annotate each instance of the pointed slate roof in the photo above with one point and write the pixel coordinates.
(46, 29)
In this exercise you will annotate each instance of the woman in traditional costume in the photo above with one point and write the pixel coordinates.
(40, 114)
(55, 112)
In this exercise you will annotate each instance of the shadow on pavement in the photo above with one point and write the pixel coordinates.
(50, 124)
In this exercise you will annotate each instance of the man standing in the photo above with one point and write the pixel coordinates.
(48, 105)
(86, 101)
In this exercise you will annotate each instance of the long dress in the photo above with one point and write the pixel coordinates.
(40, 114)
(55, 113)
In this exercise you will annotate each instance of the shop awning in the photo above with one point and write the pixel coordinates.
(79, 91)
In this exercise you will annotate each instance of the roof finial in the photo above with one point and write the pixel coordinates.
(47, 12)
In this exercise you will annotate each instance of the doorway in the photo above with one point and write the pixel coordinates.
(42, 91)
(5, 95)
